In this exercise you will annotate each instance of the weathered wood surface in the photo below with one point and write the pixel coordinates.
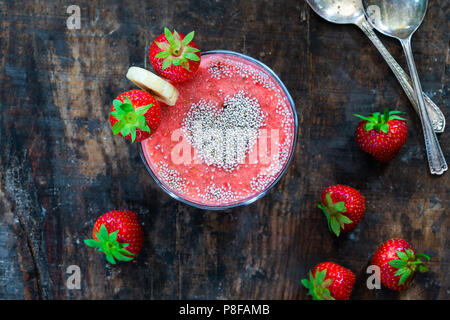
(61, 167)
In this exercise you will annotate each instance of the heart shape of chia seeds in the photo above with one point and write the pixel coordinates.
(224, 136)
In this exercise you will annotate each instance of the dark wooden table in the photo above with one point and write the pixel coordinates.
(61, 167)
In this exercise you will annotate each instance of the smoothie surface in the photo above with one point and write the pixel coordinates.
(235, 94)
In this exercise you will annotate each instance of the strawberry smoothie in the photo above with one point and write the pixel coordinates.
(229, 137)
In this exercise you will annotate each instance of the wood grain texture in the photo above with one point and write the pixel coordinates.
(61, 167)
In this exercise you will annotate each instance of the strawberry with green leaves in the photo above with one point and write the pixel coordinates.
(343, 206)
(330, 281)
(175, 56)
(135, 115)
(398, 262)
(382, 135)
(118, 234)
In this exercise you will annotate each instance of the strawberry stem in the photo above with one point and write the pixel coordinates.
(318, 286)
(177, 52)
(407, 265)
(108, 244)
(334, 213)
(129, 118)
(380, 121)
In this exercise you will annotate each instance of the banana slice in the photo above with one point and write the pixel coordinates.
(159, 88)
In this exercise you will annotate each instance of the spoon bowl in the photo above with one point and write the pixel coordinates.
(338, 11)
(399, 18)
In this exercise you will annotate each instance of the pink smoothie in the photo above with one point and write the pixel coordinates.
(226, 92)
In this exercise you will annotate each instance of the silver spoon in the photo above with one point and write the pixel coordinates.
(400, 19)
(352, 12)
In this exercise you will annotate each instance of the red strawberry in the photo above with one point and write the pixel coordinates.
(118, 234)
(398, 262)
(175, 56)
(382, 135)
(135, 115)
(343, 206)
(330, 281)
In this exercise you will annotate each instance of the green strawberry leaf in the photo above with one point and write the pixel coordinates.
(145, 128)
(141, 120)
(163, 45)
(386, 115)
(400, 271)
(320, 276)
(188, 38)
(110, 258)
(328, 200)
(169, 36)
(305, 283)
(113, 236)
(103, 232)
(323, 208)
(117, 103)
(397, 118)
(92, 243)
(162, 54)
(335, 226)
(142, 110)
(127, 100)
(344, 219)
(125, 131)
(116, 114)
(176, 36)
(409, 253)
(121, 257)
(191, 56)
(133, 134)
(362, 117)
(185, 64)
(124, 251)
(191, 49)
(167, 63)
(397, 263)
(117, 127)
(402, 255)
(340, 206)
(404, 277)
(368, 126)
(126, 107)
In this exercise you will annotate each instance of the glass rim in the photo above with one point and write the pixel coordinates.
(260, 195)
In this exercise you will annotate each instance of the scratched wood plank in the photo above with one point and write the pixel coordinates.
(61, 166)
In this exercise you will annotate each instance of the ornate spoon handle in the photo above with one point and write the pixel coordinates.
(435, 114)
(435, 156)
